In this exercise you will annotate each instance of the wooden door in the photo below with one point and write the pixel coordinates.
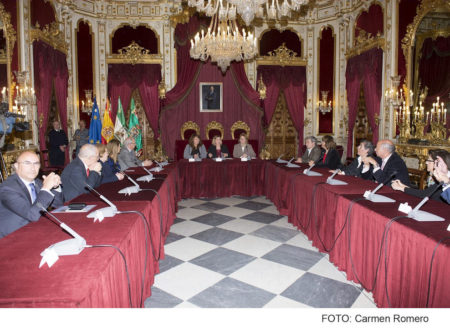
(282, 135)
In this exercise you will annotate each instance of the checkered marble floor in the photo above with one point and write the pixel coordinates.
(239, 252)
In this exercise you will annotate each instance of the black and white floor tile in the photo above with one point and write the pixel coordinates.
(239, 252)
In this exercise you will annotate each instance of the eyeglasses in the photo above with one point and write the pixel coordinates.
(429, 161)
(29, 163)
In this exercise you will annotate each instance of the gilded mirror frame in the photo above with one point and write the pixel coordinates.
(10, 36)
(425, 7)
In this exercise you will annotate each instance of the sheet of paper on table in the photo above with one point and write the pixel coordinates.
(66, 209)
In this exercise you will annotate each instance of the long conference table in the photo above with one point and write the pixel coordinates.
(404, 263)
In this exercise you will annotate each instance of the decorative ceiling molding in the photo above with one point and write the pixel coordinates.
(50, 35)
(10, 33)
(282, 56)
(364, 42)
(133, 54)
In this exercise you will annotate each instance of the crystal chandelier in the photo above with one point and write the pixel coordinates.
(324, 106)
(86, 107)
(24, 92)
(247, 9)
(223, 43)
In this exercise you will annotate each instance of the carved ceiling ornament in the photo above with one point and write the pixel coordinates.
(364, 42)
(423, 9)
(10, 33)
(282, 56)
(50, 34)
(133, 54)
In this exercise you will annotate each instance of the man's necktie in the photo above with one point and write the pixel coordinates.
(383, 164)
(33, 192)
(87, 172)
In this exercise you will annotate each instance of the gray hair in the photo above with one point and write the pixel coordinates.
(388, 146)
(128, 140)
(368, 146)
(88, 151)
(312, 139)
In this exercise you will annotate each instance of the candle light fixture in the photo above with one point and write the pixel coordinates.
(324, 106)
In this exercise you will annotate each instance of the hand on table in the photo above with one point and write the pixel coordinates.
(62, 148)
(311, 163)
(210, 155)
(97, 167)
(225, 155)
(120, 176)
(196, 156)
(398, 185)
(147, 163)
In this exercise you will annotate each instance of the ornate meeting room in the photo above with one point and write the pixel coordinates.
(224, 154)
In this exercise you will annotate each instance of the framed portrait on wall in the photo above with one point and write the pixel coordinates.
(211, 97)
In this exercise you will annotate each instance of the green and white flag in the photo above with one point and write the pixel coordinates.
(120, 128)
(135, 130)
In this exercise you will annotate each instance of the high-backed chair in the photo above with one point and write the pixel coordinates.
(238, 128)
(188, 129)
(46, 168)
(214, 128)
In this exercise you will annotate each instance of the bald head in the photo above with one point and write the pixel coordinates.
(385, 148)
(88, 154)
(27, 165)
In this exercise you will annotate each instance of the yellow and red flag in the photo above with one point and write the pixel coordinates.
(108, 125)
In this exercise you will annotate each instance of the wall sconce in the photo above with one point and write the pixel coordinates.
(86, 107)
(324, 106)
(162, 88)
(261, 89)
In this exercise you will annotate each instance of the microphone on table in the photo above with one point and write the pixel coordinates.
(291, 165)
(333, 182)
(281, 161)
(102, 213)
(146, 178)
(418, 215)
(132, 189)
(373, 197)
(308, 171)
(64, 248)
(159, 168)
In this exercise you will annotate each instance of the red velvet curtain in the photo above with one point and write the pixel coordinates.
(124, 78)
(366, 68)
(291, 80)
(50, 67)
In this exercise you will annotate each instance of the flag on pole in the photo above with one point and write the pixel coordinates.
(135, 129)
(120, 128)
(108, 126)
(95, 128)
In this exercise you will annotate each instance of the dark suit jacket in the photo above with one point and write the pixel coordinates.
(426, 192)
(446, 195)
(16, 209)
(314, 155)
(212, 150)
(55, 139)
(74, 177)
(354, 170)
(394, 163)
(108, 173)
(332, 160)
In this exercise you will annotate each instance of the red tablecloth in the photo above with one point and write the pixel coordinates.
(209, 178)
(320, 210)
(94, 278)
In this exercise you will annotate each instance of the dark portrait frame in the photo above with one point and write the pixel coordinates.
(215, 104)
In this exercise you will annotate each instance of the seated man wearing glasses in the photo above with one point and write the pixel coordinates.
(22, 191)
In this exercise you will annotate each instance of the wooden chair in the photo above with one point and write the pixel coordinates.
(188, 129)
(238, 128)
(417, 177)
(46, 168)
(214, 128)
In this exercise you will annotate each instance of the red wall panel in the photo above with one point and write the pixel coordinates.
(371, 20)
(273, 39)
(42, 12)
(326, 77)
(85, 67)
(142, 35)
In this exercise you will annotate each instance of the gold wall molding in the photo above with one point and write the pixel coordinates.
(10, 36)
(365, 42)
(423, 9)
(51, 35)
(282, 56)
(133, 54)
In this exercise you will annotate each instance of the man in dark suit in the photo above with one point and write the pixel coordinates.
(313, 152)
(83, 169)
(360, 167)
(390, 162)
(21, 193)
(442, 174)
(57, 139)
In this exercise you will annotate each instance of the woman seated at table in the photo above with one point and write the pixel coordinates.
(110, 168)
(243, 149)
(195, 149)
(432, 182)
(330, 158)
(217, 149)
